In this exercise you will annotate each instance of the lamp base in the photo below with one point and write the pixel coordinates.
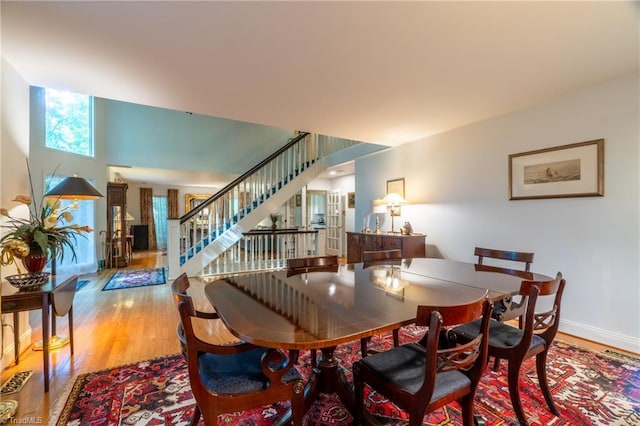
(55, 342)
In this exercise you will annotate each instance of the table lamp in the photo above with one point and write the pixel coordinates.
(379, 207)
(394, 202)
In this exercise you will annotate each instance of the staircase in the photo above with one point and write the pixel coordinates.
(218, 224)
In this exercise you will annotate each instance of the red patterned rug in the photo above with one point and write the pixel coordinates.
(130, 278)
(588, 388)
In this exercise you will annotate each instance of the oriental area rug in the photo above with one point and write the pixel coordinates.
(130, 278)
(588, 388)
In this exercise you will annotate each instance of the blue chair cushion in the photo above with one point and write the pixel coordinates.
(236, 373)
(404, 367)
(500, 335)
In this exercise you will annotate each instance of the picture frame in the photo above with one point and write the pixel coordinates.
(351, 200)
(574, 170)
(191, 201)
(396, 186)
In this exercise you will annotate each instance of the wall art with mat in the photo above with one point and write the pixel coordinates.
(588, 388)
(131, 278)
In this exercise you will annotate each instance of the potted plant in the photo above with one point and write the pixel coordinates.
(44, 233)
(275, 218)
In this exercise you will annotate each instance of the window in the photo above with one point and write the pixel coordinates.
(69, 122)
(160, 220)
(85, 247)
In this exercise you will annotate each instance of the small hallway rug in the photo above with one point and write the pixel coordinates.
(131, 278)
(588, 388)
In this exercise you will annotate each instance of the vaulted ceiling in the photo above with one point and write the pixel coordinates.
(383, 72)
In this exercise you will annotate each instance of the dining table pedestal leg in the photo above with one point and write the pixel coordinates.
(327, 377)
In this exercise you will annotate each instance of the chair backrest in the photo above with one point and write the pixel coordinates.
(312, 264)
(544, 324)
(371, 257)
(179, 288)
(515, 256)
(470, 357)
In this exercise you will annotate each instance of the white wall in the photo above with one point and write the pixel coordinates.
(14, 149)
(457, 183)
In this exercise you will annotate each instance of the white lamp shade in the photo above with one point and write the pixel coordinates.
(379, 206)
(394, 199)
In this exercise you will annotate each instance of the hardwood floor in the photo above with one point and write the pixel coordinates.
(112, 328)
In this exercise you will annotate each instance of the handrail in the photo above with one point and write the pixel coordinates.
(220, 214)
(195, 211)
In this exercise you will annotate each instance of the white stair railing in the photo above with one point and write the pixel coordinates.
(219, 214)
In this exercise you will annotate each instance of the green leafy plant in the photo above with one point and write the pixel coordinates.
(44, 230)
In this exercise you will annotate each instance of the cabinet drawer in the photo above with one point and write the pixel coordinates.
(372, 242)
(390, 243)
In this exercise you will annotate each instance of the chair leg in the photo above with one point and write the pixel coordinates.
(541, 368)
(358, 394)
(466, 403)
(514, 391)
(496, 363)
(297, 403)
(196, 416)
(363, 346)
(396, 337)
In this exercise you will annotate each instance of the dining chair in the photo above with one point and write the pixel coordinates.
(380, 257)
(517, 344)
(220, 334)
(230, 378)
(507, 308)
(302, 265)
(421, 377)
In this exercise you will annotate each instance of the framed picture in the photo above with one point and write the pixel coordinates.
(396, 186)
(298, 200)
(575, 170)
(351, 200)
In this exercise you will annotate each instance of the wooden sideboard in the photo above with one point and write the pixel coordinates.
(411, 245)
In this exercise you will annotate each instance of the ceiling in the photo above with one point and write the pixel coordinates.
(381, 72)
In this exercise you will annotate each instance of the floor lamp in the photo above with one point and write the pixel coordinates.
(70, 188)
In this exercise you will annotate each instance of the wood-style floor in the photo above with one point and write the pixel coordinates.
(112, 328)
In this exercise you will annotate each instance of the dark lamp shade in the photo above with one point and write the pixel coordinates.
(74, 188)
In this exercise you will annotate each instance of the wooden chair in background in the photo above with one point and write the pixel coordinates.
(301, 265)
(507, 308)
(515, 344)
(420, 377)
(380, 257)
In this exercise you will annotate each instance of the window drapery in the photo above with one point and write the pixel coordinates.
(146, 215)
(172, 204)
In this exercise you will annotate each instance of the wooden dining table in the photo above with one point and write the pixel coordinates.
(320, 310)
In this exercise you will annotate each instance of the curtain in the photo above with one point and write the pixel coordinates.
(172, 203)
(146, 215)
(160, 219)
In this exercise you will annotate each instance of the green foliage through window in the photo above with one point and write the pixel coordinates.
(69, 122)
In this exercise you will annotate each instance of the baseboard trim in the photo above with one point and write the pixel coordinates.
(8, 358)
(600, 335)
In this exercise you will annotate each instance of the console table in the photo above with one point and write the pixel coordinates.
(411, 245)
(15, 301)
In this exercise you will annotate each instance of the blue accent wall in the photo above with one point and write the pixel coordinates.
(143, 136)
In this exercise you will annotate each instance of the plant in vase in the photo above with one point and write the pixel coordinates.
(275, 218)
(32, 240)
